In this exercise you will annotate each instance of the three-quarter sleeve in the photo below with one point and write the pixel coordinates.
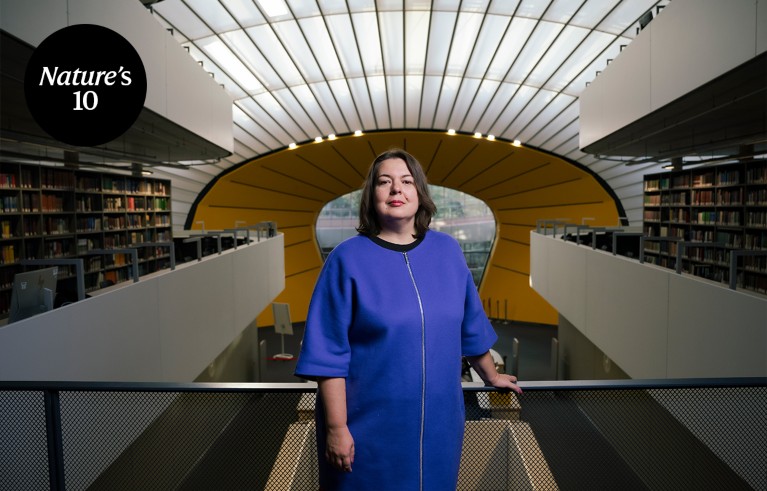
(325, 351)
(477, 334)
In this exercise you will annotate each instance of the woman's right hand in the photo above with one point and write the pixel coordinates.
(340, 448)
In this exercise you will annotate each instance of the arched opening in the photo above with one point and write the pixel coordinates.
(459, 214)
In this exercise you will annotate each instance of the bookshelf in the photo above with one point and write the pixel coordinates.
(55, 212)
(725, 204)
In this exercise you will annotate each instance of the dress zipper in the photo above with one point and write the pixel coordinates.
(423, 371)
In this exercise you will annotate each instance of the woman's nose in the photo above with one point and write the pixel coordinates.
(395, 188)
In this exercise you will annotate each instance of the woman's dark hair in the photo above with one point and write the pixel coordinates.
(369, 224)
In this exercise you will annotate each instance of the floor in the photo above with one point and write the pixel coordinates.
(534, 351)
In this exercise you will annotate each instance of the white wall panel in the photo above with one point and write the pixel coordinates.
(177, 88)
(651, 321)
(710, 325)
(689, 44)
(167, 327)
(695, 41)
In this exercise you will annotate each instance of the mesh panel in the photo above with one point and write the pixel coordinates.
(23, 445)
(546, 439)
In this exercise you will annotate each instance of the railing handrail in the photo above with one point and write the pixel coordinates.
(558, 385)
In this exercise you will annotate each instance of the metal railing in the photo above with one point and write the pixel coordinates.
(665, 434)
(678, 245)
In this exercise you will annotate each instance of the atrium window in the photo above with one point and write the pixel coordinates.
(465, 217)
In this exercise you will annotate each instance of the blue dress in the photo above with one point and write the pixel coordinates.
(394, 323)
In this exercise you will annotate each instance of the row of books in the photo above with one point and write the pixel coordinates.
(732, 240)
(48, 202)
(123, 222)
(9, 204)
(87, 203)
(6, 229)
(756, 219)
(755, 263)
(753, 282)
(56, 179)
(88, 224)
(8, 181)
(84, 245)
(756, 175)
(9, 254)
(729, 177)
(755, 241)
(720, 217)
(130, 203)
(722, 177)
(709, 197)
(56, 249)
(56, 226)
(700, 180)
(756, 197)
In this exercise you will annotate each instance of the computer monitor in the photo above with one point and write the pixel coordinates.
(33, 293)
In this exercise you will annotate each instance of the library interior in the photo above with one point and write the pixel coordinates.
(602, 165)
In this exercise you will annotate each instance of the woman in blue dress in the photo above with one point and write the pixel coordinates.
(392, 312)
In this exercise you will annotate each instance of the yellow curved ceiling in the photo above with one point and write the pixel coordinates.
(520, 185)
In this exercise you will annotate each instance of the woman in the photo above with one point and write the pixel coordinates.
(392, 312)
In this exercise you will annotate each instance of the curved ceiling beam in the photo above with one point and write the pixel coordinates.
(521, 185)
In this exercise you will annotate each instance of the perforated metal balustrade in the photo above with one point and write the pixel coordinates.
(634, 435)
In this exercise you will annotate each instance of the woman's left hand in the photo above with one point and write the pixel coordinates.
(505, 381)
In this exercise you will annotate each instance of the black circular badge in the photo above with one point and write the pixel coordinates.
(85, 85)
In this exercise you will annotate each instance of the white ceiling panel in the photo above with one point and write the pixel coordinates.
(326, 98)
(416, 38)
(368, 38)
(343, 97)
(298, 69)
(392, 42)
(395, 88)
(214, 14)
(485, 92)
(243, 12)
(413, 90)
(447, 96)
(295, 44)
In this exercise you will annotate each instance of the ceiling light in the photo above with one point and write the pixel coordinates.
(358, 133)
(517, 143)
(318, 139)
(331, 136)
(292, 146)
(477, 135)
(451, 131)
(491, 137)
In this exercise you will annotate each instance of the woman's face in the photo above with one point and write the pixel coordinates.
(396, 197)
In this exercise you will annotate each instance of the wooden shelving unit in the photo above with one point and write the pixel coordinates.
(55, 212)
(724, 205)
